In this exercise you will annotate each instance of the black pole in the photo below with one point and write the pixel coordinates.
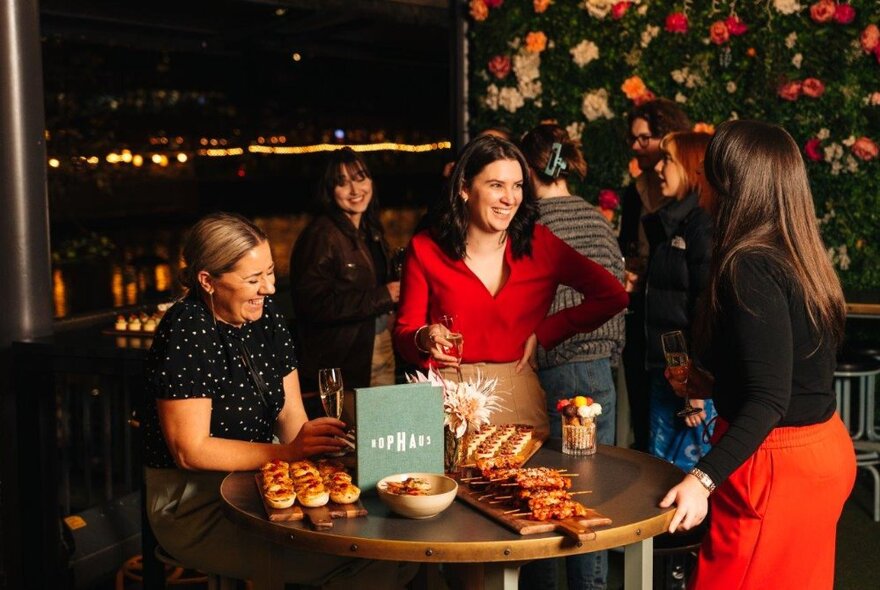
(458, 74)
(25, 270)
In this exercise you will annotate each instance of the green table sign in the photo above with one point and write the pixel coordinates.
(399, 428)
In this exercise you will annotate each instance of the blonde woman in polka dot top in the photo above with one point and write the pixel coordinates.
(221, 381)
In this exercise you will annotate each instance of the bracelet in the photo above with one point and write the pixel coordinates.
(704, 479)
(416, 339)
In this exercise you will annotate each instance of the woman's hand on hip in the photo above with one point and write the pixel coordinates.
(530, 354)
(691, 502)
(322, 435)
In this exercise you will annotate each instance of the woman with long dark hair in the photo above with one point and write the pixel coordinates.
(486, 263)
(341, 280)
(782, 463)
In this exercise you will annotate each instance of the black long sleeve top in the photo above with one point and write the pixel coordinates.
(771, 367)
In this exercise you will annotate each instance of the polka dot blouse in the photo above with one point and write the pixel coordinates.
(195, 357)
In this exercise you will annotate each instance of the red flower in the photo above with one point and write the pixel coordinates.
(870, 38)
(648, 96)
(844, 14)
(736, 26)
(499, 66)
(608, 199)
(619, 9)
(561, 404)
(813, 149)
(823, 11)
(813, 87)
(677, 22)
(718, 33)
(865, 149)
(494, 3)
(790, 91)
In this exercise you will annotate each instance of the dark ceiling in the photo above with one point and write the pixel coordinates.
(123, 70)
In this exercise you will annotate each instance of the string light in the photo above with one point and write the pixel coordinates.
(365, 147)
(54, 163)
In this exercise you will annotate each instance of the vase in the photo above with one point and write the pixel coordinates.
(451, 451)
(578, 437)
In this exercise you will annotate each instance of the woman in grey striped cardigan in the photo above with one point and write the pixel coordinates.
(580, 365)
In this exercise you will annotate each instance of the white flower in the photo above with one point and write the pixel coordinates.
(823, 134)
(491, 98)
(527, 65)
(590, 410)
(791, 40)
(575, 131)
(733, 116)
(648, 35)
(467, 405)
(595, 105)
(680, 98)
(833, 152)
(852, 165)
(786, 6)
(849, 141)
(642, 10)
(530, 89)
(599, 8)
(843, 257)
(797, 60)
(731, 87)
(584, 52)
(510, 99)
(679, 76)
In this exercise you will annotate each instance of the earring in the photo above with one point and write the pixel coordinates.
(464, 198)
(211, 303)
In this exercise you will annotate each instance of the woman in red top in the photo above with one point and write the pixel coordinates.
(488, 264)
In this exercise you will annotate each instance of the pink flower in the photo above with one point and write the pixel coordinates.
(813, 149)
(874, 99)
(619, 9)
(790, 91)
(865, 149)
(608, 199)
(499, 66)
(736, 26)
(677, 22)
(870, 38)
(823, 11)
(718, 33)
(813, 87)
(844, 14)
(493, 3)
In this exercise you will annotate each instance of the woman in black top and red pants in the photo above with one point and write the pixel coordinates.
(775, 316)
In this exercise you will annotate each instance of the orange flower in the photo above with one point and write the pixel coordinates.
(751, 52)
(704, 128)
(634, 87)
(479, 10)
(541, 5)
(634, 169)
(536, 42)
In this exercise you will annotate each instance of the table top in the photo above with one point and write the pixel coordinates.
(863, 303)
(626, 487)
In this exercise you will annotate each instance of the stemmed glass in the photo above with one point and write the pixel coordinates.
(455, 339)
(330, 386)
(678, 361)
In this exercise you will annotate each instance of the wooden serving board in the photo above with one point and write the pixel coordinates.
(531, 448)
(321, 517)
(576, 528)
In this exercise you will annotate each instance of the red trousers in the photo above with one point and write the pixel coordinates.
(774, 520)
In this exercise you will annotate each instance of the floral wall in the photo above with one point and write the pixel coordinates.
(812, 67)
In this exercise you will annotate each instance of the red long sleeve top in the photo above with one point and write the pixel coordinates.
(495, 329)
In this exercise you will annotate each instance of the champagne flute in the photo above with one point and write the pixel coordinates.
(330, 386)
(456, 340)
(678, 361)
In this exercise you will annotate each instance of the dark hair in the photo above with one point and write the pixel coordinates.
(765, 204)
(537, 147)
(497, 131)
(662, 115)
(215, 244)
(450, 227)
(353, 163)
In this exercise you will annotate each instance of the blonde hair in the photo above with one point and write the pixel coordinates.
(215, 244)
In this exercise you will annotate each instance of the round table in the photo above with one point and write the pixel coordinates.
(626, 487)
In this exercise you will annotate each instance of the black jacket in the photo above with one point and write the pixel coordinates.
(336, 300)
(680, 235)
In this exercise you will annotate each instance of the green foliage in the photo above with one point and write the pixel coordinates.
(739, 78)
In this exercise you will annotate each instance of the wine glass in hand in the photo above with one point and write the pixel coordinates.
(678, 361)
(456, 340)
(330, 387)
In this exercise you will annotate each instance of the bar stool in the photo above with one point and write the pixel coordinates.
(863, 371)
(214, 581)
(872, 431)
(675, 557)
(868, 457)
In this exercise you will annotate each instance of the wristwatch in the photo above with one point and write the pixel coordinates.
(703, 479)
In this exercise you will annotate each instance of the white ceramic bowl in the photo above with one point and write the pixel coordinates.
(438, 499)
